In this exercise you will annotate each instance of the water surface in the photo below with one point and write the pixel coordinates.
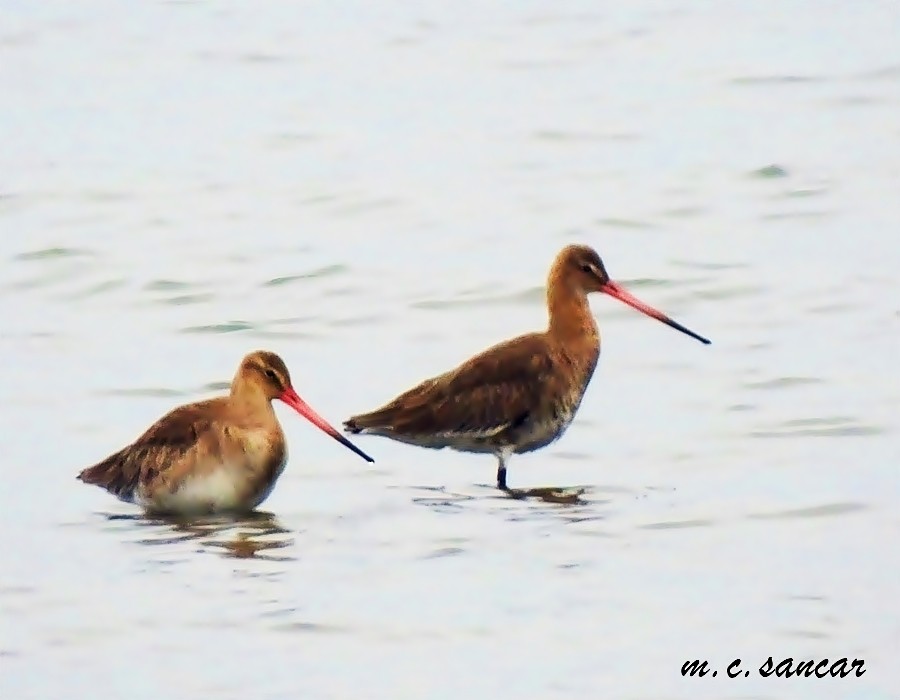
(375, 192)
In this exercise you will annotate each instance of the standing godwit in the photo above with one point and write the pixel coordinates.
(519, 395)
(220, 455)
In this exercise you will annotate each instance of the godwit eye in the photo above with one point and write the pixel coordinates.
(270, 373)
(586, 267)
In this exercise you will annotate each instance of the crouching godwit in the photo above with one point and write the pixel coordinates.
(522, 394)
(220, 455)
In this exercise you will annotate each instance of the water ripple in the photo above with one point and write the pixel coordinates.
(186, 299)
(815, 215)
(711, 266)
(443, 552)
(783, 382)
(216, 386)
(326, 271)
(678, 524)
(770, 80)
(310, 628)
(836, 426)
(53, 254)
(138, 392)
(803, 192)
(684, 212)
(890, 73)
(560, 136)
(821, 511)
(528, 296)
(163, 285)
(723, 292)
(625, 223)
(227, 327)
(805, 634)
(770, 172)
(95, 289)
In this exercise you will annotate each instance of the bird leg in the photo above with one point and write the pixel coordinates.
(502, 458)
(548, 494)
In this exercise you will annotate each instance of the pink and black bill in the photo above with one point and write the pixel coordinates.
(619, 292)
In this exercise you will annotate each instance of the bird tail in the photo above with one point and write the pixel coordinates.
(110, 475)
(365, 422)
(402, 415)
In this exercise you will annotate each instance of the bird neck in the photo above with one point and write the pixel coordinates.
(570, 314)
(249, 395)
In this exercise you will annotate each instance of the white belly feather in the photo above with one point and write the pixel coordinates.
(216, 489)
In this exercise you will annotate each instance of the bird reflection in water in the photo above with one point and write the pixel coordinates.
(441, 499)
(241, 537)
(551, 494)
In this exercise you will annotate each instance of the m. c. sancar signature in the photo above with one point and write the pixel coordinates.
(786, 668)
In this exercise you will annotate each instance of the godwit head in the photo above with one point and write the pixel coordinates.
(580, 268)
(262, 375)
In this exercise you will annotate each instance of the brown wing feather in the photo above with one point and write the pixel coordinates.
(485, 395)
(162, 445)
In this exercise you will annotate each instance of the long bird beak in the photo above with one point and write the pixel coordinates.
(619, 292)
(290, 397)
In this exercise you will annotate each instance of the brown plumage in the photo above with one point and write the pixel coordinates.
(521, 394)
(219, 455)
